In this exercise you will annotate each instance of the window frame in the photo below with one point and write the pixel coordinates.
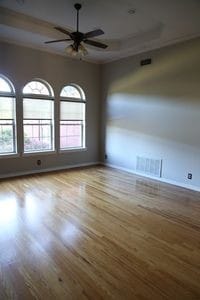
(36, 97)
(11, 95)
(82, 100)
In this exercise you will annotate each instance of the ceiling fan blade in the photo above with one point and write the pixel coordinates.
(93, 33)
(95, 44)
(57, 41)
(63, 30)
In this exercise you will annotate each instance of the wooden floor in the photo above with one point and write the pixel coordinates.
(98, 233)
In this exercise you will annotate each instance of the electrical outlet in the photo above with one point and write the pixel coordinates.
(189, 176)
(39, 162)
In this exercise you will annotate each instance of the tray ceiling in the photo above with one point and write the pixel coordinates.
(154, 24)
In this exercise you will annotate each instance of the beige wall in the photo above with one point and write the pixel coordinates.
(21, 65)
(151, 111)
(154, 111)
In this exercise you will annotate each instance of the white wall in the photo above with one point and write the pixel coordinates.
(154, 111)
(21, 65)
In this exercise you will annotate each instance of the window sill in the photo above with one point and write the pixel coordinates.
(9, 155)
(27, 154)
(38, 153)
(64, 151)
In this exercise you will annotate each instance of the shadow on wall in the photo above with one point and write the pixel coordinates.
(161, 100)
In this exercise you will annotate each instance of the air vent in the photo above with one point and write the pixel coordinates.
(149, 166)
(145, 62)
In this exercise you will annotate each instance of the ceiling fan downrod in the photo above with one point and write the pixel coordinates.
(77, 7)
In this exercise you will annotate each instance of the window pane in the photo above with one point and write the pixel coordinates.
(71, 92)
(7, 108)
(6, 137)
(37, 109)
(72, 110)
(37, 135)
(36, 87)
(71, 134)
(5, 86)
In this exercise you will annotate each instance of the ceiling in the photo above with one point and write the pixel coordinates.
(154, 24)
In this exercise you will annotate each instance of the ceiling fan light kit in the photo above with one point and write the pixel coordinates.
(81, 51)
(77, 49)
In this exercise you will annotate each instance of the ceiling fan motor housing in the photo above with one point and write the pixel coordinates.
(77, 6)
(77, 35)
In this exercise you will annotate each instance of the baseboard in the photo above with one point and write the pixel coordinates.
(176, 183)
(173, 182)
(22, 173)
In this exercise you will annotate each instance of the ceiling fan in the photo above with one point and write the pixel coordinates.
(78, 38)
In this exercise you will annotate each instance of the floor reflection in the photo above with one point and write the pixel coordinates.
(8, 211)
(70, 233)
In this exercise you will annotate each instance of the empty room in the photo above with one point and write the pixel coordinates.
(100, 149)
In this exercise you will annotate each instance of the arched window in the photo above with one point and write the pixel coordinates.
(72, 117)
(7, 117)
(38, 117)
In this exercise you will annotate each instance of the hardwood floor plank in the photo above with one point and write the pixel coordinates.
(98, 233)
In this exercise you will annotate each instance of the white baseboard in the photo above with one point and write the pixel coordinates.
(22, 173)
(173, 182)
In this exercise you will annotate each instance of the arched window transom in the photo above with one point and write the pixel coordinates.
(72, 91)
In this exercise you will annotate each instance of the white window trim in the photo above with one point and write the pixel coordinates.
(82, 99)
(36, 153)
(49, 97)
(9, 155)
(78, 149)
(10, 94)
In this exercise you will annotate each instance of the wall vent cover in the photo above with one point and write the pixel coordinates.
(149, 166)
(145, 62)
